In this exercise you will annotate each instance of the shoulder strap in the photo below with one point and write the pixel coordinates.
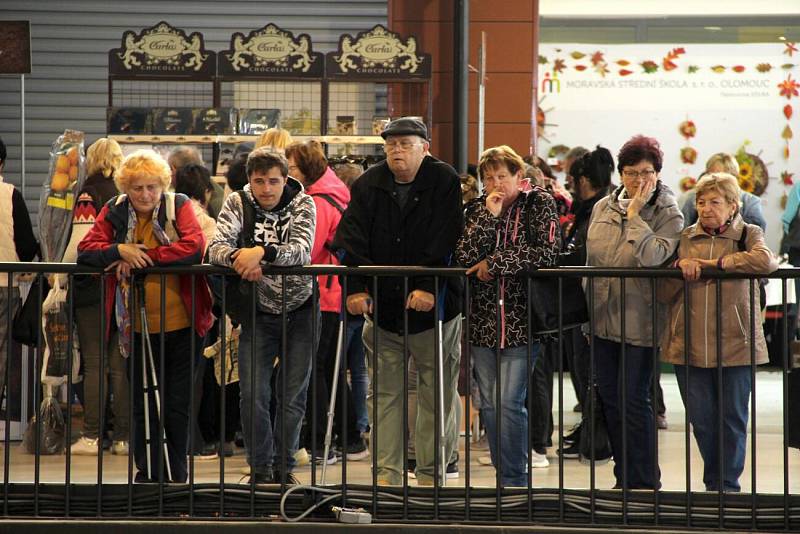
(742, 243)
(330, 200)
(248, 220)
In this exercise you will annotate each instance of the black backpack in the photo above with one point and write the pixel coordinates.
(238, 292)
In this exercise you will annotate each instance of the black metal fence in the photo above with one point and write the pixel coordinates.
(63, 486)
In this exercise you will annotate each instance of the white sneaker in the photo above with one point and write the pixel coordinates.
(482, 444)
(120, 448)
(85, 447)
(485, 460)
(539, 460)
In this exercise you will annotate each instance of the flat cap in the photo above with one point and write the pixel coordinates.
(406, 126)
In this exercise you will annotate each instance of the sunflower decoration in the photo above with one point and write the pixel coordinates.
(753, 173)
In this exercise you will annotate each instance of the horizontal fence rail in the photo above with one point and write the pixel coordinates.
(295, 382)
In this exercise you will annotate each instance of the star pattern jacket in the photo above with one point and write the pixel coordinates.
(527, 236)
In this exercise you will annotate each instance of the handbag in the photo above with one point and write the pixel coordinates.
(26, 327)
(545, 304)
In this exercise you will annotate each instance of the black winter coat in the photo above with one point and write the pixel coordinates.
(375, 231)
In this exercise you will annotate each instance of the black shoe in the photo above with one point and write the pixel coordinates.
(600, 458)
(285, 478)
(239, 440)
(357, 451)
(452, 469)
(333, 457)
(142, 478)
(570, 451)
(574, 436)
(261, 477)
(207, 452)
(227, 449)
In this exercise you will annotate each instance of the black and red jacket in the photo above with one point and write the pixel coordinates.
(100, 249)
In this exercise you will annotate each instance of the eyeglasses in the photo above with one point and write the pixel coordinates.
(403, 145)
(648, 173)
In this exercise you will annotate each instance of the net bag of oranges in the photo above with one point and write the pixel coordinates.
(67, 172)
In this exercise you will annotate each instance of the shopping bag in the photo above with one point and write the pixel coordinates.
(56, 327)
(52, 430)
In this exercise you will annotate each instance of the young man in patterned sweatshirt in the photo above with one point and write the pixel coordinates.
(283, 219)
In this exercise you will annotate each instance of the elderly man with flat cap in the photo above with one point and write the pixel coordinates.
(406, 211)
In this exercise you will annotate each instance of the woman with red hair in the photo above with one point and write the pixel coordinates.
(637, 225)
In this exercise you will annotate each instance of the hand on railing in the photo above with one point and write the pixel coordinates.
(481, 270)
(247, 263)
(420, 300)
(135, 254)
(359, 304)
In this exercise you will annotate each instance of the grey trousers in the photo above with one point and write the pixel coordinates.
(387, 440)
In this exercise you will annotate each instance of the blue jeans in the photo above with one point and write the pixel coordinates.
(357, 364)
(701, 401)
(640, 464)
(259, 344)
(514, 415)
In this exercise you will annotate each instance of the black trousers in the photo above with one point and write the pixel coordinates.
(175, 383)
(325, 363)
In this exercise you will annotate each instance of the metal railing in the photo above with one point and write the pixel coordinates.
(215, 493)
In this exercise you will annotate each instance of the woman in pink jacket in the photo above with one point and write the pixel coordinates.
(308, 164)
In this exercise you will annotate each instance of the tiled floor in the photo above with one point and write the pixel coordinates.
(672, 455)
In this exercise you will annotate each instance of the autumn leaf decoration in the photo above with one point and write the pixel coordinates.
(787, 111)
(668, 61)
(599, 63)
(787, 178)
(559, 65)
(649, 66)
(791, 48)
(763, 67)
(789, 87)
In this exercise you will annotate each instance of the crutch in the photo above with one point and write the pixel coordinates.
(147, 361)
(332, 402)
(440, 349)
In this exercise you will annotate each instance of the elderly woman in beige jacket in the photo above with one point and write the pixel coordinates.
(720, 239)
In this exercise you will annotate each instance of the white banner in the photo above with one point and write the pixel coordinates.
(730, 94)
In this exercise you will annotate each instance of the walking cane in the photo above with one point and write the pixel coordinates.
(332, 402)
(147, 360)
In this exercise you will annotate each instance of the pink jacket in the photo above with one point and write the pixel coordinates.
(328, 217)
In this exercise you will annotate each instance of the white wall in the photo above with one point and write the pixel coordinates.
(673, 8)
(727, 107)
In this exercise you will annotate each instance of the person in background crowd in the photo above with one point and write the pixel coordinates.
(720, 239)
(237, 172)
(17, 243)
(511, 233)
(308, 164)
(133, 231)
(283, 235)
(348, 173)
(275, 139)
(103, 158)
(572, 155)
(469, 187)
(638, 225)
(751, 210)
(194, 181)
(406, 211)
(184, 155)
(592, 176)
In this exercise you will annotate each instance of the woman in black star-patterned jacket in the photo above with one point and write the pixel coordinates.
(508, 232)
